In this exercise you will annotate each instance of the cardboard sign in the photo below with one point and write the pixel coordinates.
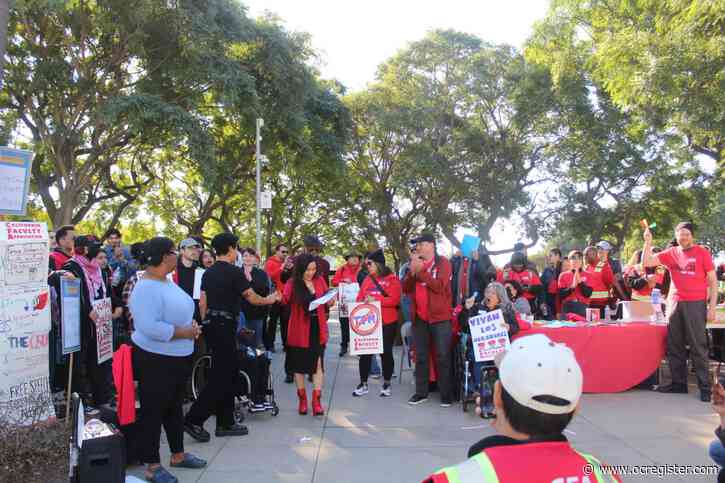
(70, 302)
(25, 397)
(15, 167)
(104, 329)
(366, 329)
(489, 335)
(469, 245)
(348, 294)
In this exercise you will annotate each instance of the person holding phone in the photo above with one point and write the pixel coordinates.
(574, 286)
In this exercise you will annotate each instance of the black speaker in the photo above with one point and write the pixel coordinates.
(103, 459)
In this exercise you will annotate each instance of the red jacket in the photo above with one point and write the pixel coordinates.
(389, 304)
(601, 280)
(123, 380)
(346, 274)
(438, 285)
(525, 277)
(298, 330)
(273, 267)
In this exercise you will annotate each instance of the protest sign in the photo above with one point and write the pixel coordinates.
(366, 328)
(489, 335)
(24, 323)
(15, 167)
(348, 293)
(70, 300)
(469, 244)
(104, 328)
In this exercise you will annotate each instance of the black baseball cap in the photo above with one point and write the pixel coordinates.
(423, 237)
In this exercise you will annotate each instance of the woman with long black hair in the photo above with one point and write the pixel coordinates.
(307, 333)
(380, 285)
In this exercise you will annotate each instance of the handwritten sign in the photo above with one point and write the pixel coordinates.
(348, 293)
(366, 329)
(70, 299)
(15, 167)
(104, 329)
(489, 335)
(24, 323)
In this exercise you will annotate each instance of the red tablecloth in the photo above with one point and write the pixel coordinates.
(613, 358)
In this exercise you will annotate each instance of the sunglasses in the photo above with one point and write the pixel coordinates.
(284, 252)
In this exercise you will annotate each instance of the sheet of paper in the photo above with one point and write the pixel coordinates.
(324, 299)
(469, 244)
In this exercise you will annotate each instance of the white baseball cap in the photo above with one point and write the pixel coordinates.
(536, 366)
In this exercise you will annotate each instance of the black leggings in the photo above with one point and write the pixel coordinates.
(389, 333)
(161, 386)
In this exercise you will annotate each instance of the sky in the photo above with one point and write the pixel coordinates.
(354, 37)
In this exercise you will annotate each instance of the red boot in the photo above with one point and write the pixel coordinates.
(302, 395)
(317, 409)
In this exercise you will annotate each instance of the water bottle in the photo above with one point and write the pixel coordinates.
(607, 314)
(657, 305)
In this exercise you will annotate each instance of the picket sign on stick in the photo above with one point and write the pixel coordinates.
(489, 335)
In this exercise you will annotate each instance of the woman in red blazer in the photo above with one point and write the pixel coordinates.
(307, 332)
(381, 285)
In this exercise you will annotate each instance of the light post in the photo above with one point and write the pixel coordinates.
(260, 124)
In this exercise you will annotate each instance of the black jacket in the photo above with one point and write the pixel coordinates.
(261, 285)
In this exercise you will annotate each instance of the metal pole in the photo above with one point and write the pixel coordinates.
(260, 124)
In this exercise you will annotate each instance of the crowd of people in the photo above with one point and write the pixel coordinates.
(171, 316)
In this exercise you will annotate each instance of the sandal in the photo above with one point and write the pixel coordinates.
(160, 475)
(190, 461)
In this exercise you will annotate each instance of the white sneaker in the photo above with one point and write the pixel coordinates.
(385, 391)
(360, 390)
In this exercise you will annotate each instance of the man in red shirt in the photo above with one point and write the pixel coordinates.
(64, 239)
(346, 274)
(429, 285)
(273, 267)
(693, 274)
(525, 275)
(600, 279)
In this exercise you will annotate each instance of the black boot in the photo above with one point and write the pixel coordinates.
(673, 389)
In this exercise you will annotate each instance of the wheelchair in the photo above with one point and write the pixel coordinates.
(243, 399)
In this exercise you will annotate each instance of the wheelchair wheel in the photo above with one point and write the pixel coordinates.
(199, 375)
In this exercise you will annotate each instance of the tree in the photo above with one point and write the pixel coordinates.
(663, 61)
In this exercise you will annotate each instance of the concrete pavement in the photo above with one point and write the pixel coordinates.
(385, 439)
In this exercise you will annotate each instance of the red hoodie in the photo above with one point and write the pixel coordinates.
(346, 274)
(273, 267)
(389, 304)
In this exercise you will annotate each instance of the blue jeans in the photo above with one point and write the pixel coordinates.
(717, 453)
(258, 327)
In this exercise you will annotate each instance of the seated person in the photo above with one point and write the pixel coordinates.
(574, 288)
(514, 291)
(255, 364)
(535, 399)
(520, 271)
(494, 298)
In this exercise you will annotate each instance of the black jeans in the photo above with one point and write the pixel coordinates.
(345, 331)
(217, 397)
(687, 327)
(389, 333)
(270, 326)
(161, 386)
(438, 335)
(100, 376)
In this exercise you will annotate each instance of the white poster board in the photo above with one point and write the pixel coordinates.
(24, 323)
(489, 335)
(348, 293)
(70, 300)
(104, 329)
(366, 328)
(15, 167)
